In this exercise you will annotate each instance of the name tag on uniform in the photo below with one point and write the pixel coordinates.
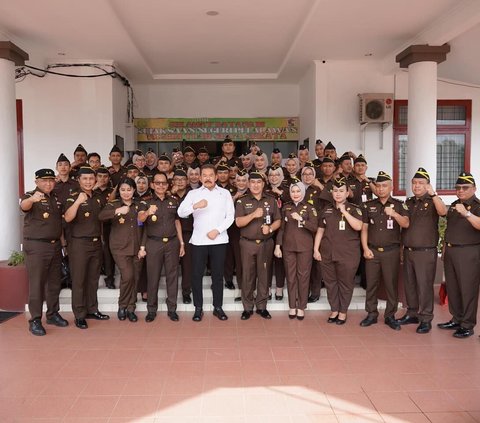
(341, 225)
(268, 219)
(389, 223)
(364, 198)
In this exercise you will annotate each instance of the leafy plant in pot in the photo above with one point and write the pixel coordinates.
(13, 282)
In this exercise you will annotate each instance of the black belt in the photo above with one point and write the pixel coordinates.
(50, 241)
(420, 248)
(461, 246)
(257, 241)
(164, 239)
(88, 238)
(386, 248)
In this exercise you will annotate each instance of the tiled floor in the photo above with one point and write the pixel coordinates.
(238, 371)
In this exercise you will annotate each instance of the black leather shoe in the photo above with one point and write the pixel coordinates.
(97, 316)
(341, 321)
(332, 319)
(368, 321)
(219, 313)
(57, 320)
(300, 317)
(81, 323)
(269, 297)
(36, 328)
(238, 299)
(132, 316)
(408, 320)
(312, 299)
(278, 297)
(246, 314)
(229, 285)
(173, 316)
(198, 315)
(424, 327)
(150, 317)
(264, 313)
(292, 316)
(448, 325)
(122, 314)
(187, 299)
(392, 323)
(463, 333)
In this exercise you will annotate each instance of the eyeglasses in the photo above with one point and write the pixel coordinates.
(463, 187)
(160, 183)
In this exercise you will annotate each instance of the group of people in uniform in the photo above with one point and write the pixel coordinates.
(308, 222)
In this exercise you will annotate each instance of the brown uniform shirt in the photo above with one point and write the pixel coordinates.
(337, 243)
(284, 197)
(423, 229)
(126, 232)
(459, 231)
(246, 204)
(105, 194)
(44, 219)
(312, 196)
(63, 190)
(361, 191)
(162, 223)
(292, 237)
(379, 234)
(86, 223)
(115, 176)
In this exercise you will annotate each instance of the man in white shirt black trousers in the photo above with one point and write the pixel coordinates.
(213, 213)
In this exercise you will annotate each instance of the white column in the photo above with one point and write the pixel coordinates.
(10, 215)
(422, 121)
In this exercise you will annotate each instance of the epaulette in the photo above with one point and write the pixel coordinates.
(240, 198)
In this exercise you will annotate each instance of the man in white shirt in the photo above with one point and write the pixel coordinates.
(213, 213)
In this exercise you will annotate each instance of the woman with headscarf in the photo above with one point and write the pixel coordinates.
(337, 246)
(125, 237)
(295, 243)
(260, 162)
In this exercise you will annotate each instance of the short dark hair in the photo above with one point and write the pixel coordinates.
(208, 166)
(160, 173)
(89, 156)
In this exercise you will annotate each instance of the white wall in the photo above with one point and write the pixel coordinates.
(59, 113)
(307, 106)
(242, 100)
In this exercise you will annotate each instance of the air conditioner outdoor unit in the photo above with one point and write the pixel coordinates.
(376, 108)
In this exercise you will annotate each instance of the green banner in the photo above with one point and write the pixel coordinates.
(216, 129)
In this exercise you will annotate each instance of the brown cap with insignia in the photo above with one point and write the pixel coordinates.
(465, 178)
(382, 176)
(45, 174)
(421, 173)
(62, 158)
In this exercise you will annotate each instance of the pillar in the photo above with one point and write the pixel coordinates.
(10, 56)
(422, 62)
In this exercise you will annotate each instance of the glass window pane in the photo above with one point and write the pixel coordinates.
(402, 115)
(402, 160)
(451, 115)
(450, 159)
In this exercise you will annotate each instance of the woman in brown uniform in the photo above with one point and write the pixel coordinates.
(125, 237)
(337, 246)
(299, 224)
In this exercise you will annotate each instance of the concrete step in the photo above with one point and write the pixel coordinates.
(108, 299)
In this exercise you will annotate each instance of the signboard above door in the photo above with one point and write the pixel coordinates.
(216, 129)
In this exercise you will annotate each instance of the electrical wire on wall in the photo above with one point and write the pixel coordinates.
(107, 70)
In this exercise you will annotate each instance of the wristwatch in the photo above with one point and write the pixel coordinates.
(468, 214)
(434, 194)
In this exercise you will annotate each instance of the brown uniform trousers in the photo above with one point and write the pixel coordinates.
(462, 269)
(256, 260)
(340, 250)
(186, 264)
(297, 250)
(233, 258)
(419, 268)
(85, 253)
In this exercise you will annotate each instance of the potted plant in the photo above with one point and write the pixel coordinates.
(13, 283)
